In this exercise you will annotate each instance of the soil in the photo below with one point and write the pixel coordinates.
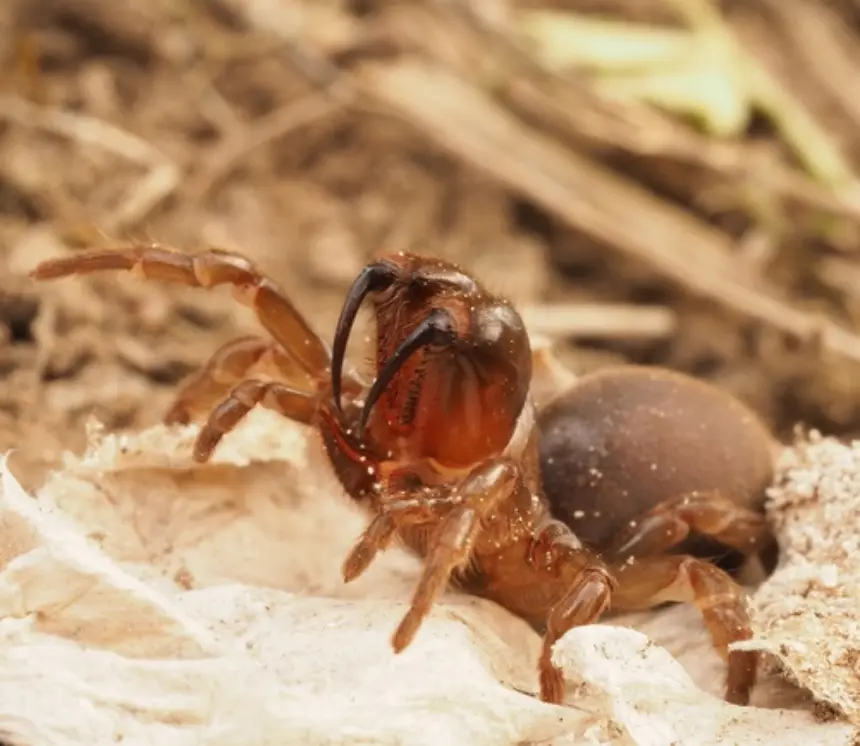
(200, 124)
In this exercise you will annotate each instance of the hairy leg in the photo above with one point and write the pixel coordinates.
(228, 365)
(650, 581)
(456, 511)
(707, 513)
(583, 587)
(575, 580)
(297, 405)
(208, 269)
(401, 510)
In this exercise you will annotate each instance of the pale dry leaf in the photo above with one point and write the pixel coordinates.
(637, 679)
(149, 599)
(268, 666)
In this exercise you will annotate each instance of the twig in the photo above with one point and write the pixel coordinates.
(162, 176)
(841, 274)
(585, 195)
(599, 320)
(564, 106)
(701, 72)
(825, 47)
(812, 145)
(558, 109)
(273, 126)
(581, 193)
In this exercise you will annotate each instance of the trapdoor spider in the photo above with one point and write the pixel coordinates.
(555, 514)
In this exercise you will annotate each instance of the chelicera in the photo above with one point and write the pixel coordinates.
(597, 499)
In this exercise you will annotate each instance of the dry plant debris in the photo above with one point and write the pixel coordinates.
(158, 182)
(148, 599)
(699, 72)
(806, 612)
(630, 218)
(311, 136)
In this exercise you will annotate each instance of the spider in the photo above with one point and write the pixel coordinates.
(601, 498)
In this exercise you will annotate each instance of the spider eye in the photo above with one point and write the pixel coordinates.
(443, 334)
(384, 292)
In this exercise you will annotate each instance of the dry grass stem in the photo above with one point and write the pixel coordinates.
(160, 180)
(599, 320)
(825, 47)
(701, 73)
(560, 109)
(279, 123)
(589, 197)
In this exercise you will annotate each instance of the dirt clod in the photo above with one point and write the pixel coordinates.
(806, 612)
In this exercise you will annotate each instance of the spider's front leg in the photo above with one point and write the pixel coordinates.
(443, 524)
(208, 269)
(579, 585)
(295, 357)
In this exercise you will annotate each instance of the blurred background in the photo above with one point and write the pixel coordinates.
(659, 181)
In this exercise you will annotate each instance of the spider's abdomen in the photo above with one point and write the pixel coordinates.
(624, 439)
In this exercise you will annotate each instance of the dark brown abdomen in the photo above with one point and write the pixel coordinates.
(624, 439)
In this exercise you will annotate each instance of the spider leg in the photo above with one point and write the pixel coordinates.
(456, 511)
(648, 582)
(401, 510)
(228, 365)
(297, 405)
(707, 513)
(209, 269)
(449, 549)
(577, 587)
